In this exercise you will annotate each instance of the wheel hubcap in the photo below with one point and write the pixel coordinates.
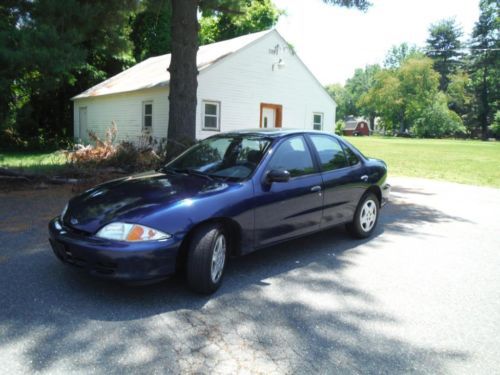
(368, 215)
(218, 258)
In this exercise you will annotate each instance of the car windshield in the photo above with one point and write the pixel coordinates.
(232, 157)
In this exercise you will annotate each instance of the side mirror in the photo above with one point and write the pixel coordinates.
(278, 175)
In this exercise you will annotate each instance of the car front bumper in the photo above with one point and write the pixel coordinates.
(139, 261)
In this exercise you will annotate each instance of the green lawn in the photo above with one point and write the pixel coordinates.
(33, 162)
(468, 162)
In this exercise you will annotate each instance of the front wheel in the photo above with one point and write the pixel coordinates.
(207, 257)
(365, 217)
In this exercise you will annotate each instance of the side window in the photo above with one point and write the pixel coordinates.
(352, 158)
(330, 152)
(317, 121)
(293, 155)
(147, 115)
(211, 115)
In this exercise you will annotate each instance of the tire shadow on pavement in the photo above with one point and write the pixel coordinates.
(287, 308)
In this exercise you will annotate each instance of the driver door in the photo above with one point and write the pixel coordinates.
(287, 209)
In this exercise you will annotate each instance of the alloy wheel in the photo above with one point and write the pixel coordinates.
(218, 258)
(368, 215)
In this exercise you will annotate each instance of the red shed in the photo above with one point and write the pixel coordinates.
(354, 126)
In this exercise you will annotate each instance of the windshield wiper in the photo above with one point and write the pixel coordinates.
(189, 171)
(166, 170)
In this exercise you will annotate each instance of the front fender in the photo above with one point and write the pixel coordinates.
(235, 203)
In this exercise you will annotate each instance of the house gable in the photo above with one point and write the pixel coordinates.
(252, 76)
(262, 39)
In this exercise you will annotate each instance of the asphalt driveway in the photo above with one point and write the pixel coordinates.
(422, 296)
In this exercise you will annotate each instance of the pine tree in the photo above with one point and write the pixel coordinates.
(485, 67)
(443, 47)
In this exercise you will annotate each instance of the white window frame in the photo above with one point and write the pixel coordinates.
(321, 123)
(217, 115)
(144, 103)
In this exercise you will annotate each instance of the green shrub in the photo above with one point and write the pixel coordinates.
(495, 127)
(11, 140)
(339, 127)
(437, 121)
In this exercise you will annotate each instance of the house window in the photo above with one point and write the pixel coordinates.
(147, 115)
(317, 121)
(211, 115)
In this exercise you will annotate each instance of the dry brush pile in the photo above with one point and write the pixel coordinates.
(125, 156)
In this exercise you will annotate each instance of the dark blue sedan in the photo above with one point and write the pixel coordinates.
(230, 194)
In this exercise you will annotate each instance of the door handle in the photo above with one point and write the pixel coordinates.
(364, 178)
(316, 188)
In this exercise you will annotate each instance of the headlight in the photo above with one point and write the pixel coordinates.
(64, 211)
(131, 233)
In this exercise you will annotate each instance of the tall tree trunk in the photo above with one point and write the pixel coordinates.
(484, 105)
(402, 122)
(372, 122)
(183, 77)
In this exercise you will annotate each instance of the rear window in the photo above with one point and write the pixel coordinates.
(352, 158)
(348, 146)
(331, 154)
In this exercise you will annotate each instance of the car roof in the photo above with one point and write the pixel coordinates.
(272, 132)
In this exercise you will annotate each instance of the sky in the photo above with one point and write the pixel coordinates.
(334, 41)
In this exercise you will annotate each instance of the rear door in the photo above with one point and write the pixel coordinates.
(82, 123)
(342, 186)
(288, 209)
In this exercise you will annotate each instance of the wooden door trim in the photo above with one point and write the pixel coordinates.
(279, 113)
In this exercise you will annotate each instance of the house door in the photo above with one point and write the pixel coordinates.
(270, 115)
(82, 122)
(268, 118)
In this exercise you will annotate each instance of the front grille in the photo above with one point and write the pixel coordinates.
(71, 259)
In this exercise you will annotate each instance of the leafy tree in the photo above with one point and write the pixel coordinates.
(398, 54)
(485, 65)
(437, 120)
(345, 104)
(362, 81)
(408, 99)
(458, 92)
(419, 87)
(259, 15)
(78, 43)
(495, 126)
(443, 47)
(151, 32)
(183, 69)
(348, 97)
(386, 97)
(460, 96)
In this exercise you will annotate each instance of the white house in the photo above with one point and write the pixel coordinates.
(252, 81)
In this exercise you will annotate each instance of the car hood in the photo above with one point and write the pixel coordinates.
(132, 198)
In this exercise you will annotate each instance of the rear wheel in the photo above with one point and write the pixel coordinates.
(207, 257)
(365, 217)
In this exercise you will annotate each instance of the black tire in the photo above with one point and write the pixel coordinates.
(200, 256)
(360, 228)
